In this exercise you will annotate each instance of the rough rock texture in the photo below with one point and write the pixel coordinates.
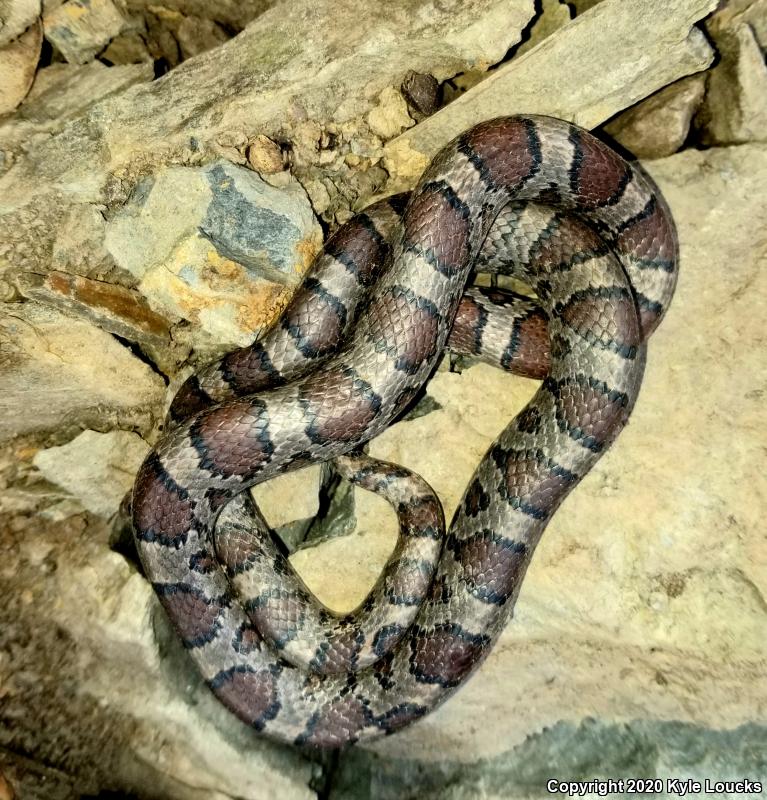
(95, 683)
(96, 468)
(299, 78)
(659, 126)
(566, 76)
(18, 61)
(216, 246)
(59, 373)
(233, 14)
(15, 17)
(566, 752)
(735, 106)
(81, 28)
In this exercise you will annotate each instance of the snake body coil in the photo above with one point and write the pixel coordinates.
(533, 196)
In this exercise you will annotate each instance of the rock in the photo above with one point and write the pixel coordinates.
(122, 138)
(390, 116)
(61, 373)
(216, 246)
(117, 310)
(6, 790)
(573, 753)
(60, 93)
(79, 29)
(659, 125)
(736, 12)
(16, 16)
(265, 156)
(196, 35)
(97, 468)
(553, 15)
(735, 106)
(129, 48)
(568, 76)
(421, 92)
(161, 41)
(233, 14)
(18, 62)
(98, 679)
(64, 91)
(624, 615)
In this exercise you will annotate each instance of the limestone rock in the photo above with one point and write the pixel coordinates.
(553, 15)
(573, 74)
(60, 93)
(216, 246)
(659, 126)
(97, 468)
(97, 677)
(81, 28)
(234, 14)
(737, 12)
(572, 753)
(18, 62)
(265, 156)
(58, 372)
(197, 34)
(735, 106)
(114, 143)
(120, 311)
(128, 48)
(390, 116)
(64, 91)
(15, 17)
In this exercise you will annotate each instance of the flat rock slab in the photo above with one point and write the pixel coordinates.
(58, 371)
(96, 468)
(591, 68)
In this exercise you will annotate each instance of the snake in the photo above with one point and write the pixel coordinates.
(533, 197)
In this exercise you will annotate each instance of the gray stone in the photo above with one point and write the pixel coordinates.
(79, 29)
(129, 48)
(59, 94)
(240, 87)
(659, 125)
(587, 71)
(96, 468)
(216, 246)
(738, 12)
(566, 752)
(58, 372)
(552, 16)
(97, 677)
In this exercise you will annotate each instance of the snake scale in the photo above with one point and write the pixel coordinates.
(531, 196)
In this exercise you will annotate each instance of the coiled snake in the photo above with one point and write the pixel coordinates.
(533, 196)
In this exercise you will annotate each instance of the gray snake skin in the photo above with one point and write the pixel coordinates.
(535, 197)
